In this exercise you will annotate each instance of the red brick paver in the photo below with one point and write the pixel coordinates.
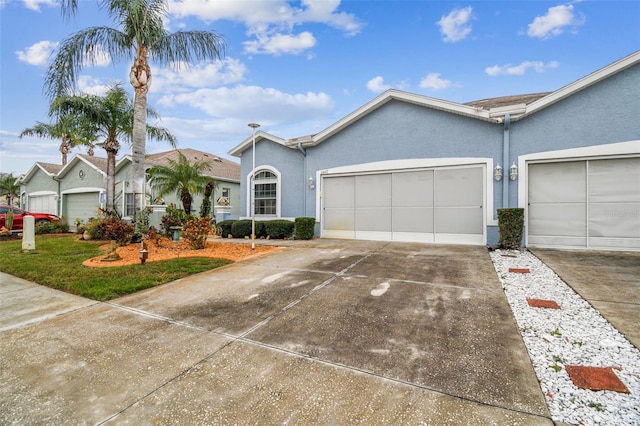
(595, 378)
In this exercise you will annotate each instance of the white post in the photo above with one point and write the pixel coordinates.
(253, 126)
(28, 233)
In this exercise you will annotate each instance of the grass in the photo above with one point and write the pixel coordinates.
(57, 263)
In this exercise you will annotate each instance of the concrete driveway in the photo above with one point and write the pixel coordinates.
(608, 280)
(322, 332)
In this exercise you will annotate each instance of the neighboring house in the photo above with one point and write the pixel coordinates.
(39, 191)
(77, 190)
(406, 167)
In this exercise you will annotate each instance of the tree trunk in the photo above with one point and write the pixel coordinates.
(140, 78)
(112, 146)
(64, 149)
(186, 199)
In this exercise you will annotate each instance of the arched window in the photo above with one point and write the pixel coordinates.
(265, 188)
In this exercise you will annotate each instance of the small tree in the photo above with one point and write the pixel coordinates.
(181, 177)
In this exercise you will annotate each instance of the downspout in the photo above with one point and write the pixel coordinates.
(505, 161)
(304, 178)
(59, 200)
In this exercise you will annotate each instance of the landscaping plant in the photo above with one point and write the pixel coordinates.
(195, 232)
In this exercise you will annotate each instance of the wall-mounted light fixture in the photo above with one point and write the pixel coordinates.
(513, 172)
(497, 173)
(312, 184)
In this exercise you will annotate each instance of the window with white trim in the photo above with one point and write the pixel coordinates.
(266, 193)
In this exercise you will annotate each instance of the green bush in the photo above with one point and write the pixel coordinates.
(278, 229)
(195, 231)
(242, 228)
(52, 228)
(304, 228)
(511, 226)
(174, 217)
(225, 226)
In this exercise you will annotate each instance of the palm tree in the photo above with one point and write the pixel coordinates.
(141, 37)
(184, 178)
(67, 128)
(111, 117)
(9, 188)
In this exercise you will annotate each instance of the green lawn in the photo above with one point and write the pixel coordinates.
(57, 263)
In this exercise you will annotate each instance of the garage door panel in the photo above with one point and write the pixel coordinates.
(459, 220)
(608, 214)
(557, 182)
(418, 219)
(339, 192)
(558, 220)
(81, 206)
(459, 187)
(413, 189)
(374, 219)
(399, 205)
(618, 220)
(373, 191)
(616, 180)
(42, 204)
(339, 219)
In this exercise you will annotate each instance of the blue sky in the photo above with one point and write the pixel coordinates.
(298, 67)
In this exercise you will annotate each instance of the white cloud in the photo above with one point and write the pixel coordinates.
(521, 69)
(271, 22)
(279, 13)
(39, 53)
(278, 44)
(35, 4)
(254, 102)
(187, 76)
(92, 86)
(554, 22)
(455, 26)
(376, 85)
(433, 81)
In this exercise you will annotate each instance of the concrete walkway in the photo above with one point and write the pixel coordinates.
(324, 332)
(608, 280)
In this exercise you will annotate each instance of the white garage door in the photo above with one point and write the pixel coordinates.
(42, 204)
(593, 203)
(81, 206)
(443, 205)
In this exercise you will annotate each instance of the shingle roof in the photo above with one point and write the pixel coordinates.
(220, 167)
(99, 162)
(507, 100)
(50, 167)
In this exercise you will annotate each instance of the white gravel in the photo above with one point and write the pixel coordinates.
(576, 334)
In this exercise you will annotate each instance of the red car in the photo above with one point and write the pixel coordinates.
(18, 214)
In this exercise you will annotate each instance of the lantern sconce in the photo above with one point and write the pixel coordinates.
(312, 184)
(513, 172)
(497, 173)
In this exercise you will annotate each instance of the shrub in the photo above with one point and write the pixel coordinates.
(241, 228)
(511, 226)
(225, 227)
(278, 229)
(52, 228)
(304, 228)
(116, 229)
(195, 231)
(174, 217)
(8, 219)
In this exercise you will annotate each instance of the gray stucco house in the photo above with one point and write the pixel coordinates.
(407, 167)
(78, 189)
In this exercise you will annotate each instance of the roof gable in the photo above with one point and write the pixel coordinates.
(99, 164)
(49, 169)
